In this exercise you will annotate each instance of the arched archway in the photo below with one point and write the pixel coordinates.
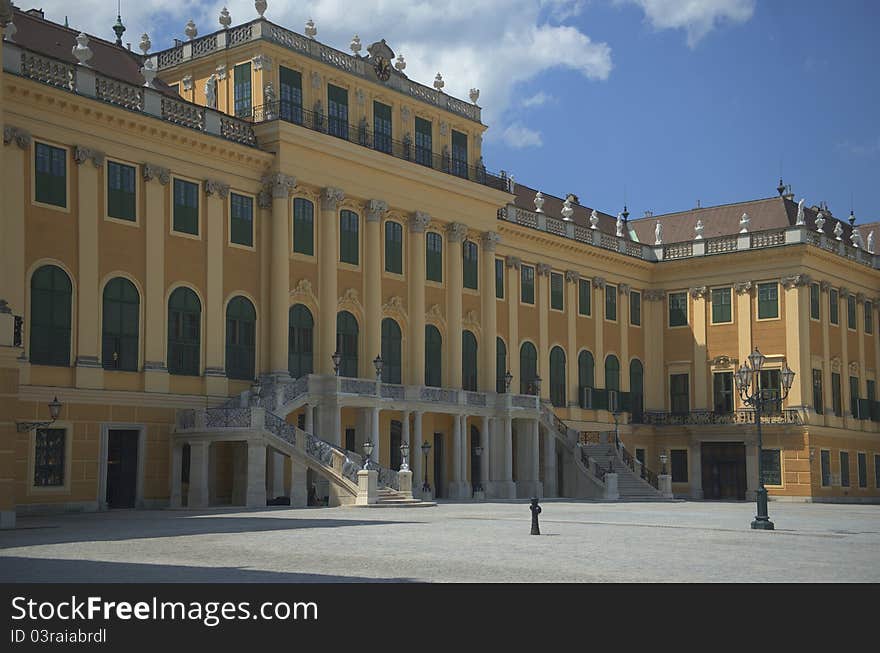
(528, 368)
(51, 309)
(468, 361)
(347, 343)
(557, 377)
(300, 348)
(391, 351)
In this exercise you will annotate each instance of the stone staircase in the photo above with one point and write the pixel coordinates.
(629, 485)
(391, 498)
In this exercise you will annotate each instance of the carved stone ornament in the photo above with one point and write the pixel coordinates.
(405, 113)
(723, 361)
(260, 6)
(742, 287)
(624, 289)
(187, 83)
(331, 197)
(835, 364)
(359, 95)
(83, 154)
(213, 186)
(699, 292)
(854, 368)
(844, 292)
(470, 319)
(263, 62)
(594, 220)
(572, 276)
(160, 174)
(598, 282)
(316, 79)
(279, 185)
(824, 286)
(456, 232)
(418, 221)
(350, 295)
(801, 220)
(376, 209)
(444, 128)
(543, 269)
(794, 281)
(220, 71)
(820, 222)
(491, 240)
(513, 262)
(303, 287)
(539, 202)
(21, 137)
(654, 295)
(394, 304)
(264, 199)
(81, 50)
(434, 313)
(860, 298)
(838, 231)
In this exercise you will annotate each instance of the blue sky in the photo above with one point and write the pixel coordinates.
(665, 102)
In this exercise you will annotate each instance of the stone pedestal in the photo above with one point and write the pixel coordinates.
(404, 478)
(664, 484)
(611, 492)
(367, 487)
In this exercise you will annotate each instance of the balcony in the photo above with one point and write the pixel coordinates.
(712, 418)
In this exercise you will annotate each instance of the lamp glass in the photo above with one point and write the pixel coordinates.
(426, 447)
(787, 376)
(368, 448)
(756, 358)
(54, 408)
(743, 377)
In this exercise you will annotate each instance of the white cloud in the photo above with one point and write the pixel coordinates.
(696, 17)
(518, 136)
(538, 99)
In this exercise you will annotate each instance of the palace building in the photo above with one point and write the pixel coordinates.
(237, 261)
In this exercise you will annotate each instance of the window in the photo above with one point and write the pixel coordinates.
(184, 332)
(611, 303)
(770, 384)
(391, 351)
(585, 379)
(337, 111)
(768, 300)
(636, 389)
(835, 394)
(121, 202)
(303, 226)
(393, 247)
(186, 207)
(119, 332)
(721, 306)
(528, 368)
(678, 309)
(433, 356)
(771, 466)
(347, 343)
(814, 301)
(470, 256)
(51, 293)
(241, 219)
(557, 377)
(300, 350)
(635, 308)
(527, 283)
(242, 90)
(382, 127)
(49, 457)
(500, 366)
(584, 297)
(851, 311)
(556, 291)
(350, 439)
(679, 399)
(612, 373)
(818, 398)
(459, 154)
(241, 322)
(863, 470)
(290, 95)
(833, 306)
(348, 237)
(424, 147)
(51, 175)
(722, 392)
(825, 463)
(499, 278)
(854, 397)
(844, 469)
(869, 317)
(434, 257)
(679, 462)
(468, 361)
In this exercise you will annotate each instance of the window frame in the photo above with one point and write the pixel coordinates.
(610, 293)
(774, 285)
(499, 277)
(435, 254)
(815, 302)
(173, 230)
(337, 123)
(64, 487)
(673, 395)
(347, 248)
(53, 326)
(836, 394)
(819, 388)
(64, 208)
(844, 468)
(385, 241)
(290, 110)
(825, 462)
(716, 292)
(231, 243)
(779, 457)
(302, 201)
(421, 154)
(522, 285)
(589, 298)
(248, 112)
(201, 338)
(239, 345)
(139, 325)
(635, 294)
(833, 307)
(852, 313)
(669, 308)
(470, 265)
(868, 310)
(135, 221)
(559, 293)
(862, 469)
(382, 140)
(724, 392)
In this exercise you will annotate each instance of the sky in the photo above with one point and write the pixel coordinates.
(655, 103)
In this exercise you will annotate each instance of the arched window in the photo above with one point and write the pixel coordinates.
(433, 356)
(348, 237)
(119, 325)
(468, 361)
(500, 365)
(636, 388)
(241, 329)
(586, 378)
(51, 293)
(347, 343)
(528, 368)
(184, 332)
(612, 381)
(557, 377)
(300, 351)
(391, 351)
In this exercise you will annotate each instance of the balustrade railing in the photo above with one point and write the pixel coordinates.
(227, 418)
(708, 417)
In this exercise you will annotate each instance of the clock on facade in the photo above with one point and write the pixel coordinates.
(383, 68)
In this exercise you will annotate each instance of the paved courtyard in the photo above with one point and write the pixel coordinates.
(454, 542)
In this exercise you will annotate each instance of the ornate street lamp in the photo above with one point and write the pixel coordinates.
(378, 363)
(337, 361)
(368, 451)
(256, 391)
(54, 412)
(663, 459)
(404, 455)
(537, 385)
(747, 382)
(426, 448)
(478, 486)
(508, 377)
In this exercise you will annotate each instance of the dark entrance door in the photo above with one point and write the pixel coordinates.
(724, 470)
(122, 452)
(476, 481)
(439, 489)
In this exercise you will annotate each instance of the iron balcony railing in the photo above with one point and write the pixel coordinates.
(709, 417)
(361, 135)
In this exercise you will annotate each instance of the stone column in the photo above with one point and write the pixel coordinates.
(486, 456)
(405, 440)
(513, 264)
(216, 194)
(752, 469)
(155, 222)
(89, 373)
(415, 450)
(623, 325)
(416, 286)
(198, 475)
(466, 486)
(507, 488)
(535, 446)
(455, 484)
(701, 382)
(843, 320)
(455, 234)
(277, 474)
(572, 280)
(695, 470)
(277, 190)
(299, 491)
(543, 301)
(372, 267)
(309, 422)
(327, 285)
(550, 489)
(488, 318)
(599, 322)
(796, 291)
(824, 302)
(176, 497)
(256, 475)
(374, 433)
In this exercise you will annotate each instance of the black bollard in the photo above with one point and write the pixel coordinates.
(536, 510)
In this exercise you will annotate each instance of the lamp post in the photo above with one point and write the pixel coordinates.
(426, 448)
(378, 363)
(256, 392)
(508, 377)
(337, 362)
(747, 382)
(478, 486)
(54, 412)
(537, 385)
(663, 459)
(404, 455)
(368, 451)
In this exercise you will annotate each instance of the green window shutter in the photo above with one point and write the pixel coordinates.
(184, 332)
(584, 297)
(814, 300)
(337, 111)
(678, 309)
(120, 325)
(869, 317)
(50, 328)
(434, 257)
(50, 175)
(433, 356)
(241, 320)
(242, 220)
(348, 237)
(611, 303)
(721, 305)
(833, 306)
(470, 260)
(556, 291)
(382, 127)
(186, 207)
(242, 90)
(527, 277)
(303, 226)
(635, 308)
(499, 278)
(424, 143)
(459, 154)
(851, 311)
(768, 300)
(393, 247)
(121, 194)
(290, 95)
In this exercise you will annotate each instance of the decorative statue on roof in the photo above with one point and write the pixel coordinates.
(856, 238)
(539, 202)
(800, 213)
(620, 225)
(698, 230)
(870, 245)
(838, 231)
(211, 91)
(594, 220)
(744, 223)
(820, 222)
(511, 183)
(567, 209)
(658, 234)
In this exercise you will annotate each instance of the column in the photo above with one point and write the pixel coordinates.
(372, 267)
(701, 363)
(695, 469)
(543, 302)
(277, 470)
(488, 319)
(513, 264)
(752, 469)
(535, 446)
(843, 320)
(550, 489)
(465, 451)
(796, 290)
(824, 302)
(486, 455)
(155, 326)
(198, 475)
(508, 490)
(653, 329)
(455, 484)
(263, 217)
(599, 323)
(455, 234)
(256, 475)
(216, 194)
(623, 324)
(309, 424)
(572, 280)
(327, 285)
(329, 422)
(860, 328)
(743, 291)
(279, 186)
(416, 287)
(176, 476)
(415, 450)
(404, 439)
(299, 491)
(374, 433)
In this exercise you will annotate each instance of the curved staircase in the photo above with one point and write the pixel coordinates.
(630, 485)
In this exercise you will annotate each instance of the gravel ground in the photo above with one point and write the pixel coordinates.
(454, 542)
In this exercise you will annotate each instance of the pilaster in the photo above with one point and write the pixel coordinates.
(542, 271)
(599, 318)
(256, 475)
(488, 319)
(796, 291)
(513, 296)
(15, 150)
(743, 292)
(372, 267)
(276, 193)
(416, 288)
(701, 364)
(572, 280)
(623, 323)
(216, 194)
(653, 331)
(455, 234)
(327, 278)
(156, 178)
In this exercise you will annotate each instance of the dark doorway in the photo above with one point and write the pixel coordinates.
(724, 470)
(476, 480)
(396, 435)
(122, 463)
(350, 440)
(439, 489)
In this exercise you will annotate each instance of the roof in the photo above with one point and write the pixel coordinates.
(56, 41)
(525, 199)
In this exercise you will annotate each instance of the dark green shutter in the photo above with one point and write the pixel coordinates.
(393, 247)
(611, 303)
(241, 321)
(184, 332)
(348, 237)
(186, 207)
(121, 197)
(499, 278)
(51, 293)
(556, 291)
(242, 90)
(470, 256)
(434, 257)
(303, 226)
(635, 308)
(433, 356)
(527, 276)
(50, 175)
(584, 297)
(242, 220)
